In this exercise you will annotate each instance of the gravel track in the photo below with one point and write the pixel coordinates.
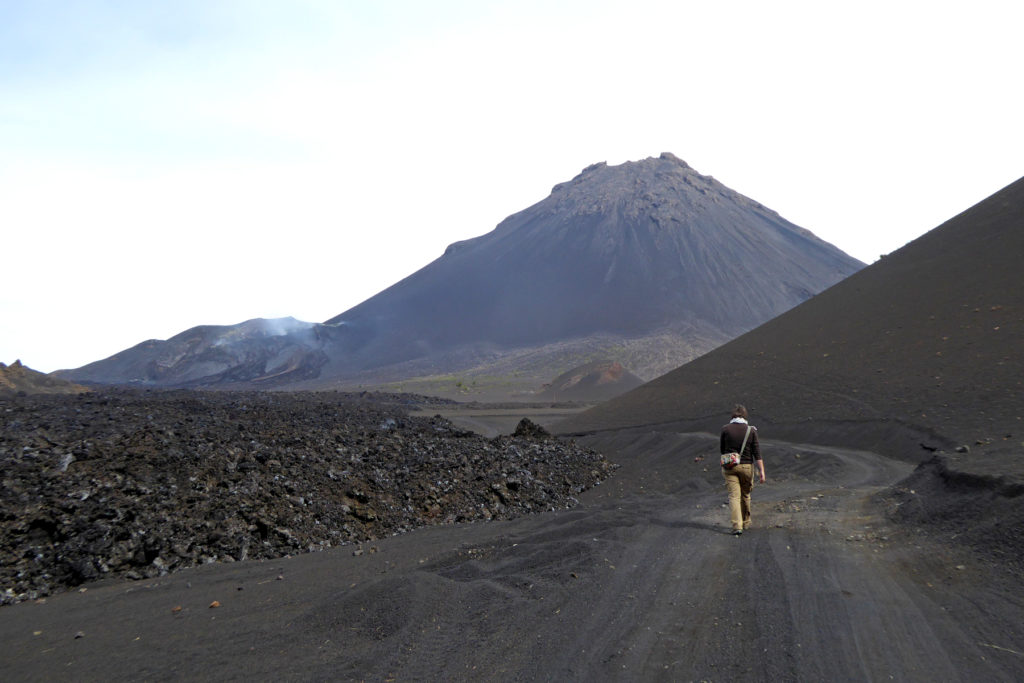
(642, 581)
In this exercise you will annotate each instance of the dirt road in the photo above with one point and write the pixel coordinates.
(642, 581)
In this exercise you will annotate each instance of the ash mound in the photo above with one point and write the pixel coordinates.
(954, 496)
(17, 378)
(596, 381)
(632, 262)
(136, 485)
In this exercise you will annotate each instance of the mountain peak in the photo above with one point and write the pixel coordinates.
(649, 171)
(669, 156)
(664, 189)
(621, 251)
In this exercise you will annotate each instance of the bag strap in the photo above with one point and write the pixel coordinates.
(745, 437)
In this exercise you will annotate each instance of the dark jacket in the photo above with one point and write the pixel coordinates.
(732, 439)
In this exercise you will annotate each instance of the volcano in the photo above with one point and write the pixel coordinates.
(648, 264)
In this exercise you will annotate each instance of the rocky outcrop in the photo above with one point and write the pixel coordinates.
(140, 484)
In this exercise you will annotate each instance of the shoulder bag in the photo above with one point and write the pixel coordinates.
(730, 460)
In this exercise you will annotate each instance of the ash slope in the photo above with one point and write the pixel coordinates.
(633, 263)
(928, 338)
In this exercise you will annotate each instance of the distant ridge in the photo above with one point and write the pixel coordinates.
(18, 378)
(931, 337)
(257, 352)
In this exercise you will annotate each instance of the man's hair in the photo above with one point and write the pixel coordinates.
(739, 411)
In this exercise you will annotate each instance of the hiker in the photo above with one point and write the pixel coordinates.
(740, 437)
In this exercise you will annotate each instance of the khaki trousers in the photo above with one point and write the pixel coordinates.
(739, 480)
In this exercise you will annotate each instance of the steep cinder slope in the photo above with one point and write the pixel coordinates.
(931, 336)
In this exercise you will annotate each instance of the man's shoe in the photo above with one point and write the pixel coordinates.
(737, 532)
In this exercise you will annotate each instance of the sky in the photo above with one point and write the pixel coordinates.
(170, 164)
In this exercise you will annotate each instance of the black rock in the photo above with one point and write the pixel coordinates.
(527, 429)
(167, 480)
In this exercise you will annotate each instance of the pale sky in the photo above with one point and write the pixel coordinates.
(170, 164)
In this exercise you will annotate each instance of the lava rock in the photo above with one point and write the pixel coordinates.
(161, 481)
